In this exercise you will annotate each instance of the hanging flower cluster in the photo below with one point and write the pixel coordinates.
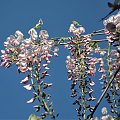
(112, 29)
(32, 55)
(112, 95)
(81, 64)
(27, 52)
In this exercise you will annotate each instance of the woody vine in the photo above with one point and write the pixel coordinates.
(32, 56)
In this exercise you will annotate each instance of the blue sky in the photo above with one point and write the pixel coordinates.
(57, 16)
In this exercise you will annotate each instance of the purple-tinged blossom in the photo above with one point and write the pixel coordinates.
(70, 77)
(101, 69)
(33, 34)
(100, 61)
(92, 61)
(47, 68)
(19, 35)
(86, 39)
(3, 52)
(91, 70)
(31, 100)
(72, 28)
(55, 51)
(115, 53)
(25, 80)
(90, 91)
(43, 35)
(104, 76)
(28, 87)
(110, 38)
(76, 31)
(92, 83)
(91, 98)
(46, 85)
(99, 51)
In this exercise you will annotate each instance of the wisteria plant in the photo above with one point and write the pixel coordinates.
(87, 59)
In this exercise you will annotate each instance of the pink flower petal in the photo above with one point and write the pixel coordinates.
(44, 65)
(31, 100)
(56, 54)
(44, 72)
(49, 55)
(56, 49)
(3, 51)
(93, 98)
(70, 77)
(28, 87)
(47, 68)
(24, 81)
(92, 83)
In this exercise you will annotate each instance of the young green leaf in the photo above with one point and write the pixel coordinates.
(34, 117)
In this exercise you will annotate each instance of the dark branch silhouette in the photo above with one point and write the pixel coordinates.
(103, 94)
(114, 6)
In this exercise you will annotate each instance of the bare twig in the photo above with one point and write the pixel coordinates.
(103, 94)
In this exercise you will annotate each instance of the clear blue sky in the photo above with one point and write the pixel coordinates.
(57, 16)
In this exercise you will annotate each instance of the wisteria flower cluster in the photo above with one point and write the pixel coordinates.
(24, 51)
(81, 66)
(86, 60)
(32, 56)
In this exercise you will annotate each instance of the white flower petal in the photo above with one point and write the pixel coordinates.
(3, 51)
(43, 35)
(31, 100)
(72, 28)
(28, 87)
(47, 68)
(33, 33)
(24, 81)
(18, 33)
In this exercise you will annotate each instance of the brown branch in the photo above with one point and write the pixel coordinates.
(102, 40)
(65, 43)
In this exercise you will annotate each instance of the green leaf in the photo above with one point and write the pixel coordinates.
(39, 24)
(34, 117)
(76, 23)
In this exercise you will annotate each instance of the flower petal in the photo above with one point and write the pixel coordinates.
(24, 81)
(31, 100)
(28, 87)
